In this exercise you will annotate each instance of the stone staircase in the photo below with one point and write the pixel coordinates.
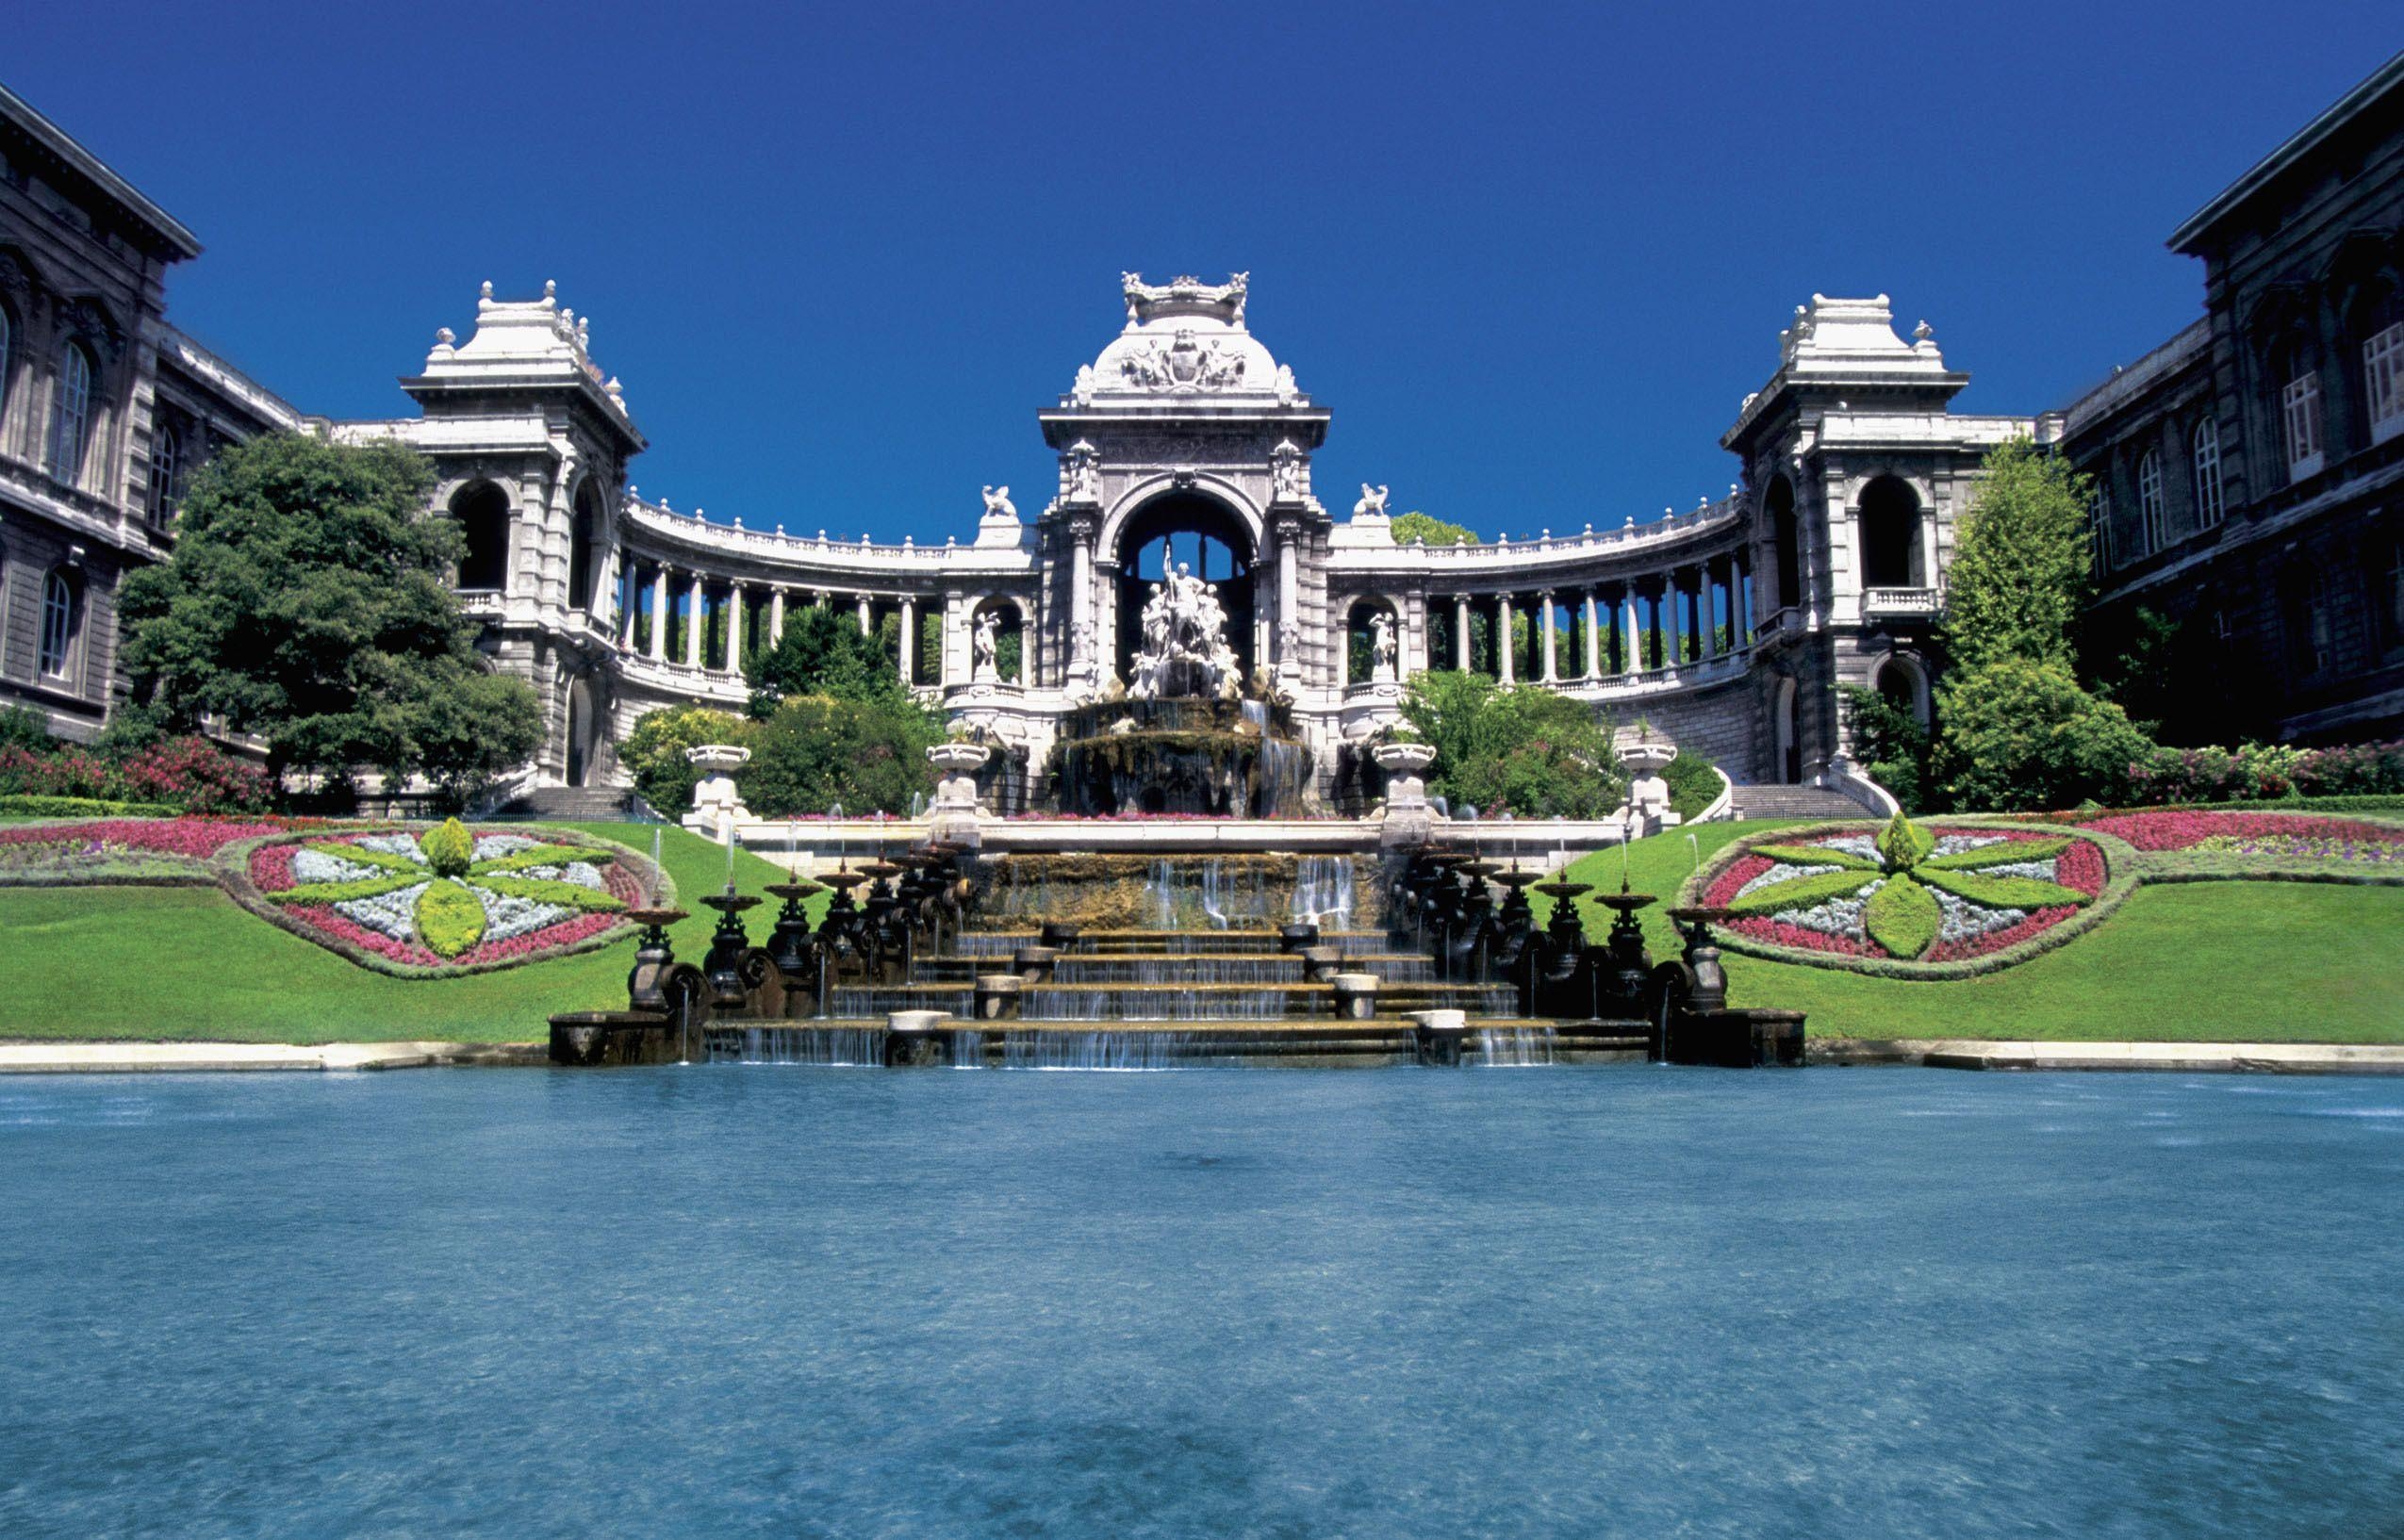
(1792, 802)
(570, 804)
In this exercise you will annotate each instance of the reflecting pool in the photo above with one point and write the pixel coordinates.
(1249, 1303)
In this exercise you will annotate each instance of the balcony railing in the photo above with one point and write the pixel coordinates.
(1907, 603)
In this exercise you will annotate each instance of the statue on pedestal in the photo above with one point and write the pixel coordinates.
(1185, 653)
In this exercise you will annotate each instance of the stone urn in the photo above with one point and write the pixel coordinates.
(718, 804)
(1645, 758)
(953, 815)
(1409, 821)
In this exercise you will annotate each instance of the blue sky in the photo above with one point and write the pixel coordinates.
(840, 255)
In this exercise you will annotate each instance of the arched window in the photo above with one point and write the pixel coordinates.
(58, 619)
(483, 513)
(2153, 525)
(584, 551)
(166, 468)
(2103, 551)
(2298, 374)
(2209, 506)
(1890, 534)
(71, 415)
(1780, 500)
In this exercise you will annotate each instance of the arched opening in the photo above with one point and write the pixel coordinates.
(998, 643)
(1903, 684)
(71, 415)
(483, 515)
(1780, 501)
(1890, 526)
(1362, 646)
(579, 732)
(1209, 541)
(2375, 328)
(1787, 734)
(584, 550)
(61, 624)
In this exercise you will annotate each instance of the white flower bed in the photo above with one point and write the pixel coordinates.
(1961, 922)
(389, 914)
(392, 844)
(583, 873)
(1780, 873)
(506, 917)
(1834, 916)
(2041, 870)
(309, 866)
(494, 846)
(1953, 844)
(1863, 845)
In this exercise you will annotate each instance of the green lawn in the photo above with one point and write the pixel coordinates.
(2263, 961)
(163, 963)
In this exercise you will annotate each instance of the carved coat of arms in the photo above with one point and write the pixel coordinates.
(1184, 365)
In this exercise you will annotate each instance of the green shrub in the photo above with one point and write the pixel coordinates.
(1892, 746)
(1530, 750)
(2024, 735)
(450, 919)
(450, 850)
(654, 753)
(1693, 785)
(81, 807)
(22, 727)
(1902, 916)
(817, 750)
(1904, 844)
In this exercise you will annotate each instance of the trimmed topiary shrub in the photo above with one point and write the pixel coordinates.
(450, 920)
(449, 850)
(81, 807)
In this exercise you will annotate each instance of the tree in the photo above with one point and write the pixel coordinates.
(308, 601)
(1893, 746)
(822, 652)
(1418, 526)
(2020, 572)
(817, 750)
(1531, 751)
(2023, 734)
(654, 753)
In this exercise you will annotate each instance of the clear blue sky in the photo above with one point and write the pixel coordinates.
(840, 255)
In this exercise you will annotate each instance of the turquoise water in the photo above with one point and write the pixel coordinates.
(1255, 1303)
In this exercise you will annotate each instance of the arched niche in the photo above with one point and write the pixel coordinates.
(1901, 681)
(585, 548)
(1360, 618)
(1009, 617)
(1786, 733)
(1200, 532)
(1786, 539)
(481, 511)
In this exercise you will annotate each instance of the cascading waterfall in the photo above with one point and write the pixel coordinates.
(1109, 1003)
(967, 1048)
(820, 1045)
(1323, 887)
(1514, 1047)
(862, 1002)
(1097, 1050)
(1179, 970)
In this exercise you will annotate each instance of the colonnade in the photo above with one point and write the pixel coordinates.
(673, 592)
(1694, 612)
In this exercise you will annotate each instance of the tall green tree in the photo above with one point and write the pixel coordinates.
(822, 652)
(1436, 531)
(1531, 751)
(816, 751)
(2021, 570)
(308, 601)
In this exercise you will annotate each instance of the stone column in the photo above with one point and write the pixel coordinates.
(1288, 600)
(1503, 646)
(1593, 639)
(734, 628)
(659, 613)
(632, 580)
(1461, 632)
(693, 623)
(1344, 644)
(909, 640)
(1082, 666)
(1544, 617)
(776, 615)
(1631, 630)
(1711, 591)
(867, 627)
(1741, 602)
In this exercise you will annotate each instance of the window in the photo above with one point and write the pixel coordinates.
(2299, 418)
(166, 465)
(2309, 638)
(2152, 526)
(2103, 529)
(2383, 381)
(2391, 581)
(57, 624)
(71, 415)
(2209, 506)
(8, 341)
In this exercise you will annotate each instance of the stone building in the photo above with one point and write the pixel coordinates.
(2250, 469)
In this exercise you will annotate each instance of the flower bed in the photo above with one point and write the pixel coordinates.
(1907, 894)
(450, 899)
(97, 849)
(2280, 834)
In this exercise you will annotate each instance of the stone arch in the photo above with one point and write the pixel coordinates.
(1197, 527)
(481, 511)
(1786, 537)
(1012, 626)
(1891, 535)
(1901, 681)
(1140, 497)
(1786, 730)
(588, 542)
(1358, 655)
(583, 736)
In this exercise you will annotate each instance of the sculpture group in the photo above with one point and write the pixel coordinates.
(1185, 653)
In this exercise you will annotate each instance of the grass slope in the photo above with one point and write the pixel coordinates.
(187, 963)
(2261, 961)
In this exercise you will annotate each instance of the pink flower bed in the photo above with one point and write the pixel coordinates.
(195, 838)
(2186, 829)
(1995, 941)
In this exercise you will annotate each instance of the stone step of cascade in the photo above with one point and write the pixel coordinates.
(1792, 802)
